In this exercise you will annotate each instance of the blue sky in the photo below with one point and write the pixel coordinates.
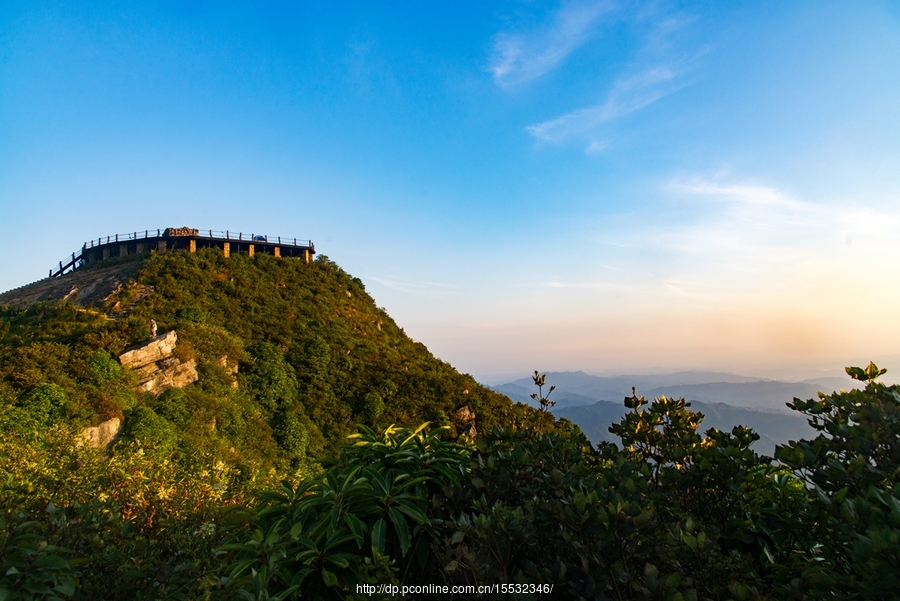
(607, 186)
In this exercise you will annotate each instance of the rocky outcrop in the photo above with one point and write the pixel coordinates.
(231, 368)
(168, 373)
(157, 349)
(104, 434)
(464, 420)
(84, 287)
(157, 368)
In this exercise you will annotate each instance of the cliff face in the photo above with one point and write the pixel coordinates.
(158, 369)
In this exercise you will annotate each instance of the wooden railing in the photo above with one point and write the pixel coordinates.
(67, 264)
(70, 263)
(225, 235)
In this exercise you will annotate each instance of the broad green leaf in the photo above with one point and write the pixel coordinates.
(402, 530)
(379, 533)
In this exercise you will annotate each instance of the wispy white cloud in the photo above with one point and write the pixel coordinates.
(752, 194)
(766, 209)
(577, 285)
(596, 146)
(522, 57)
(759, 230)
(721, 240)
(411, 286)
(627, 96)
(658, 68)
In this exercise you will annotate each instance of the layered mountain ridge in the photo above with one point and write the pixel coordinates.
(725, 399)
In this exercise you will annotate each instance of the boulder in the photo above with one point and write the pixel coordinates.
(230, 367)
(173, 374)
(464, 420)
(150, 352)
(104, 434)
(157, 368)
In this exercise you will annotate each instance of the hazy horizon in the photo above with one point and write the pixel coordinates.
(609, 186)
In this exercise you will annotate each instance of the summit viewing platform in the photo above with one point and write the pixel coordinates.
(183, 238)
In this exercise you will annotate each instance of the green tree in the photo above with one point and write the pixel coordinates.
(40, 406)
(151, 430)
(372, 407)
(103, 367)
(846, 541)
(270, 378)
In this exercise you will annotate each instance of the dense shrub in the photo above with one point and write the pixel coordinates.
(291, 357)
(671, 514)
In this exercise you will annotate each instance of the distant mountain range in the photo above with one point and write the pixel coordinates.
(725, 399)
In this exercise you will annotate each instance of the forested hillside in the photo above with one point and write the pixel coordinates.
(314, 355)
(244, 484)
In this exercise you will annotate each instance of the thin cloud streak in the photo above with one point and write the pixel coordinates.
(743, 193)
(411, 286)
(747, 240)
(718, 241)
(522, 57)
(769, 210)
(627, 96)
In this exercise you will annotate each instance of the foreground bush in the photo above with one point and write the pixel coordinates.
(137, 524)
(670, 513)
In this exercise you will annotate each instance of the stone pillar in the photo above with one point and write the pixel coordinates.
(306, 255)
(226, 249)
(161, 246)
(250, 249)
(192, 245)
(105, 252)
(123, 249)
(277, 251)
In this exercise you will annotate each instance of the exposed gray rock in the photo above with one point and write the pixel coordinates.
(150, 352)
(104, 434)
(230, 367)
(175, 374)
(464, 420)
(156, 367)
(83, 287)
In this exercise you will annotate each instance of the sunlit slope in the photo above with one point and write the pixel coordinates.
(315, 357)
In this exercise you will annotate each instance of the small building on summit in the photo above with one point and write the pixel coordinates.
(184, 238)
